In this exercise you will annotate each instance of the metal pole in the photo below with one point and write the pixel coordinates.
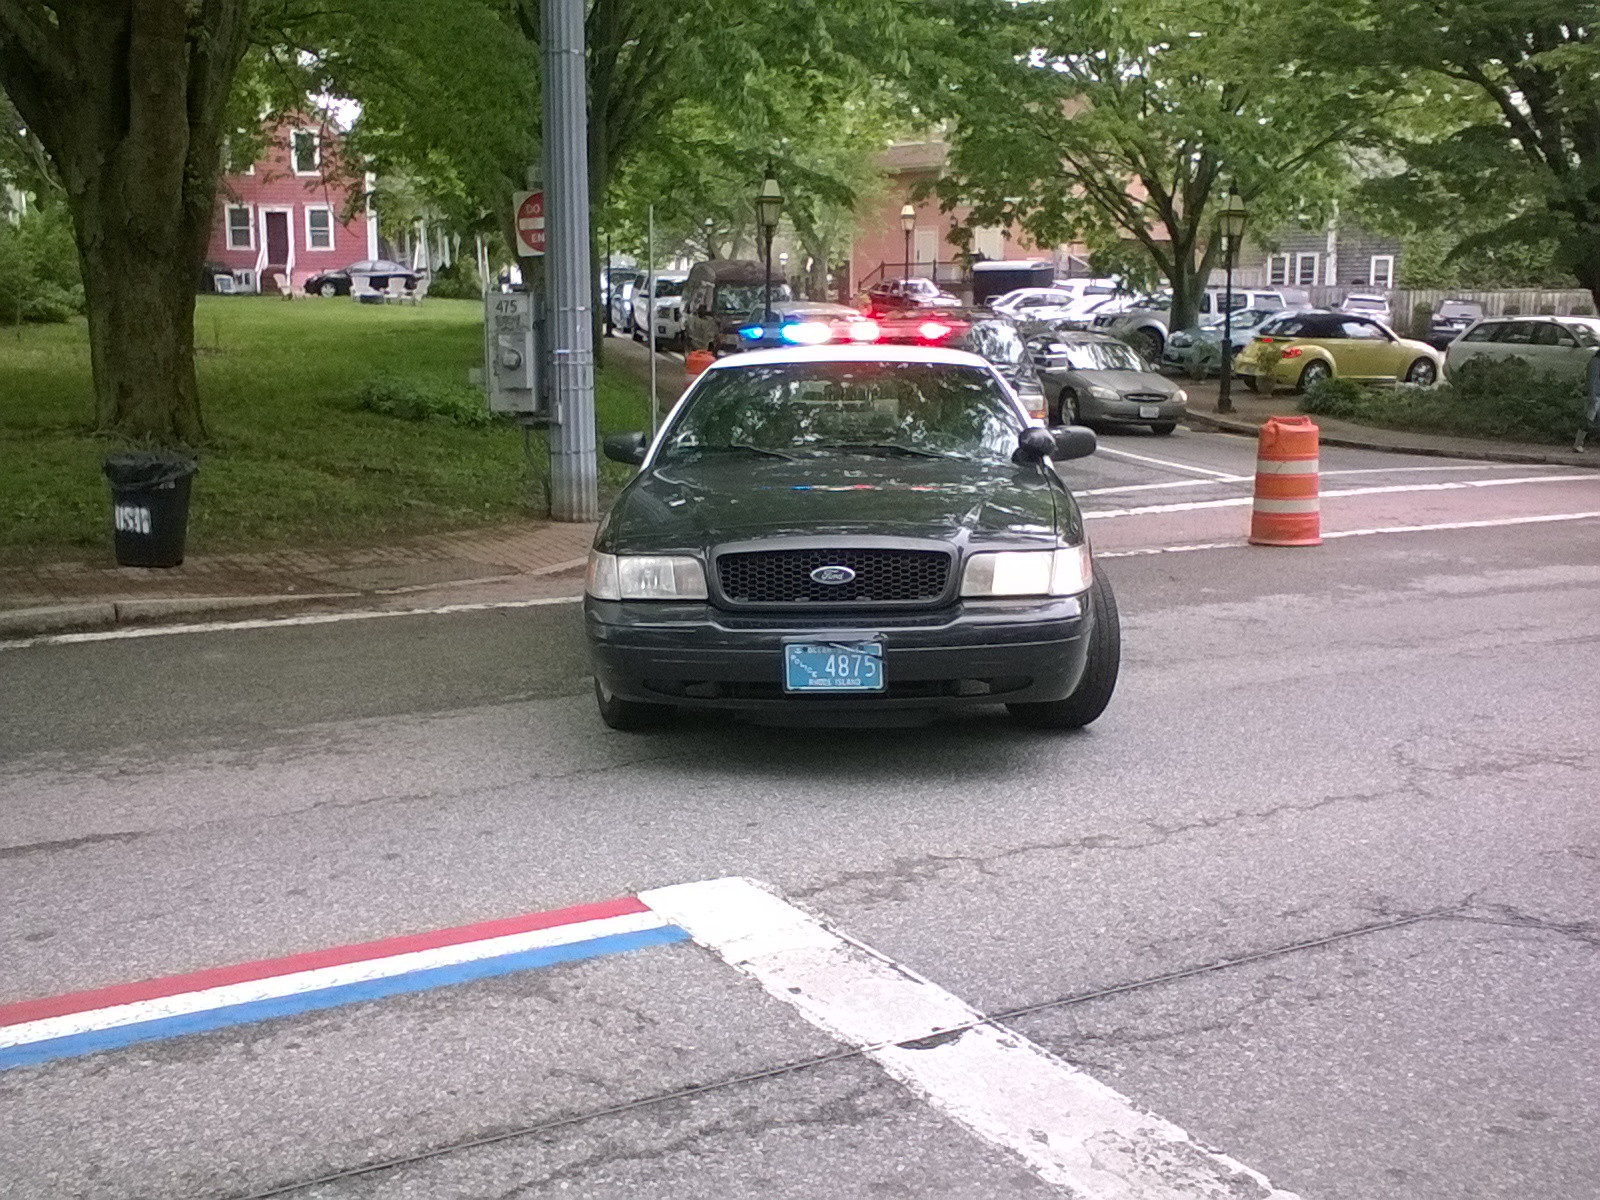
(574, 481)
(611, 327)
(650, 315)
(768, 231)
(1225, 386)
(908, 255)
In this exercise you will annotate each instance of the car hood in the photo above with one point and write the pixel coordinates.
(1125, 382)
(696, 505)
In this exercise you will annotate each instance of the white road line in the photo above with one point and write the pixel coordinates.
(1445, 526)
(1073, 1131)
(1164, 462)
(1156, 487)
(1194, 483)
(148, 631)
(1412, 470)
(1392, 489)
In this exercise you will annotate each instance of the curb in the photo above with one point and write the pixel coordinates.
(105, 614)
(1248, 429)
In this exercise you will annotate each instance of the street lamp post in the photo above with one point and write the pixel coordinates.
(711, 251)
(908, 222)
(769, 204)
(1231, 223)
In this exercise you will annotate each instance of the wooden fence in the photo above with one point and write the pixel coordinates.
(1512, 302)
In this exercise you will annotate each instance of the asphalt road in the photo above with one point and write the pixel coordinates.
(1321, 888)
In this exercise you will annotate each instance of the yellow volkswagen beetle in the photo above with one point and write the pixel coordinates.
(1299, 349)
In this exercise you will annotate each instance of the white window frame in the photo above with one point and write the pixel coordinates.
(316, 151)
(1300, 260)
(1387, 280)
(310, 245)
(250, 226)
(1278, 270)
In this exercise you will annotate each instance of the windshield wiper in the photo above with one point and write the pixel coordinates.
(892, 447)
(762, 450)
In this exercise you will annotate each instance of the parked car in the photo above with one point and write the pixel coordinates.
(378, 271)
(667, 306)
(719, 296)
(1146, 323)
(1450, 320)
(1094, 377)
(994, 338)
(896, 295)
(1298, 349)
(1368, 304)
(621, 305)
(1559, 345)
(843, 534)
(804, 323)
(1032, 303)
(1197, 350)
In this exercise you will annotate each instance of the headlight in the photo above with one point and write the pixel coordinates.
(1182, 397)
(1105, 393)
(645, 577)
(1063, 572)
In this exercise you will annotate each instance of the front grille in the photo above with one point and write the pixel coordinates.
(1147, 397)
(881, 576)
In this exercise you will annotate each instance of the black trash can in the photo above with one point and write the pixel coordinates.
(149, 506)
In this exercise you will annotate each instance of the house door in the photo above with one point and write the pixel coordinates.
(277, 238)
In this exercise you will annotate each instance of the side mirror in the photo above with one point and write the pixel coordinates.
(1072, 441)
(1034, 444)
(627, 447)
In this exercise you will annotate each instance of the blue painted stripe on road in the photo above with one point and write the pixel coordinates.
(94, 1041)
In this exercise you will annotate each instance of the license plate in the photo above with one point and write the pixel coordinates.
(1149, 411)
(833, 667)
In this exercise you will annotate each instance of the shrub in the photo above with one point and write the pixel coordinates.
(1421, 321)
(1488, 398)
(39, 268)
(414, 400)
(458, 281)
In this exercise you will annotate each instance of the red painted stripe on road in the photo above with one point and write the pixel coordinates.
(168, 985)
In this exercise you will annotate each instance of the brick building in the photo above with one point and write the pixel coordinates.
(299, 209)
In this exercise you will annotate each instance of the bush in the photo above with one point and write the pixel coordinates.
(39, 268)
(1488, 398)
(413, 400)
(458, 281)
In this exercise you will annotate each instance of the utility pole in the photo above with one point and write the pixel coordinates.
(574, 480)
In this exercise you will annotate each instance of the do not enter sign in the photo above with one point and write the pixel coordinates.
(530, 223)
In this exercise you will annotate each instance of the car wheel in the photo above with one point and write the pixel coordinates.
(1163, 428)
(329, 290)
(1149, 343)
(1314, 373)
(637, 336)
(1423, 373)
(1067, 407)
(1249, 382)
(1093, 693)
(628, 716)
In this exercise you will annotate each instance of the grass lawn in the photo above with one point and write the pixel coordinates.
(293, 459)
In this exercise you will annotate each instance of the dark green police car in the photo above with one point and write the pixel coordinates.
(849, 532)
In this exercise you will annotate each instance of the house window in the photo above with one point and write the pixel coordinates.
(1277, 269)
(1382, 273)
(241, 229)
(319, 227)
(1305, 270)
(307, 151)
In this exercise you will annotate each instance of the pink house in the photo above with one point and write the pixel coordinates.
(299, 210)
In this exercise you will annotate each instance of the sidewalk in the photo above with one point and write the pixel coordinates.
(507, 562)
(1251, 410)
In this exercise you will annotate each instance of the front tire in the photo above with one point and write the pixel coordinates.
(1093, 693)
(628, 716)
(1423, 373)
(329, 290)
(1067, 407)
(1149, 343)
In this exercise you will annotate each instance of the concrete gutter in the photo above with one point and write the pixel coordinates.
(107, 614)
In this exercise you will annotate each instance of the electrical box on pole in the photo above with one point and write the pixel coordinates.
(512, 352)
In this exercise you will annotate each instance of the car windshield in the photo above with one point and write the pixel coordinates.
(669, 287)
(1096, 356)
(814, 409)
(1459, 312)
(1244, 318)
(742, 297)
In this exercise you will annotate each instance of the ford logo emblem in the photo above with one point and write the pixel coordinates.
(833, 575)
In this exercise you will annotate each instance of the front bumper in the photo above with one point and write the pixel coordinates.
(1093, 408)
(964, 656)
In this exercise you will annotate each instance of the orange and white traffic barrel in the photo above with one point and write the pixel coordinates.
(1287, 511)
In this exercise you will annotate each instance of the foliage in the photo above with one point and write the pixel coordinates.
(39, 267)
(1502, 140)
(1502, 399)
(413, 400)
(294, 460)
(1108, 123)
(458, 281)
